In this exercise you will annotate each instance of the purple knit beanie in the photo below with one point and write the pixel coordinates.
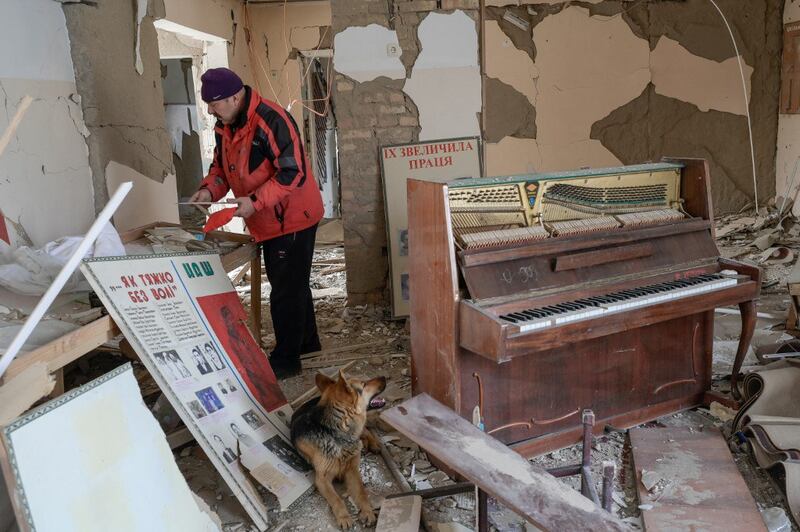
(218, 84)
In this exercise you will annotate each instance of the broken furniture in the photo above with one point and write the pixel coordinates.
(501, 472)
(687, 480)
(70, 347)
(560, 292)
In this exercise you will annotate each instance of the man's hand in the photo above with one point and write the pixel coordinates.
(246, 207)
(201, 196)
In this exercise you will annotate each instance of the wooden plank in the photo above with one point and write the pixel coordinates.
(67, 348)
(434, 293)
(19, 393)
(401, 514)
(239, 276)
(698, 484)
(520, 485)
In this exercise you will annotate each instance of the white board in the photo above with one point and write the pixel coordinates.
(436, 160)
(96, 460)
(184, 319)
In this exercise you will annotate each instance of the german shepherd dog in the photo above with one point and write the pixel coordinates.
(329, 433)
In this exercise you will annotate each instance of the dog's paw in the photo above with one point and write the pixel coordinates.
(345, 522)
(367, 517)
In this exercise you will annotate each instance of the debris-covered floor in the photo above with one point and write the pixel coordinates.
(368, 343)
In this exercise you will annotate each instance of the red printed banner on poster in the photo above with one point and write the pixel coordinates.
(226, 316)
(3, 229)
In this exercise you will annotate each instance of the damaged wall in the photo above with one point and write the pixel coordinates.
(123, 107)
(432, 66)
(45, 166)
(567, 84)
(219, 18)
(610, 82)
(277, 34)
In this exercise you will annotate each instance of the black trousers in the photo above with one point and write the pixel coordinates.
(287, 259)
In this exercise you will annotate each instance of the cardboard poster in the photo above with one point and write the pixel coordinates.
(183, 317)
(435, 160)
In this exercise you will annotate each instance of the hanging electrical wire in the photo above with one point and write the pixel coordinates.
(746, 103)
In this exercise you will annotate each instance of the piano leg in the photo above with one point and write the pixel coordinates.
(748, 312)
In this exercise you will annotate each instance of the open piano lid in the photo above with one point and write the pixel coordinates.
(521, 233)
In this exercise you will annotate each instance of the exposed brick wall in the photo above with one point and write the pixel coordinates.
(369, 115)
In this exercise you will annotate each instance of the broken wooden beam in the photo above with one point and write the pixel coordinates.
(520, 485)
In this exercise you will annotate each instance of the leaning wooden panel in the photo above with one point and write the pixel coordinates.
(502, 473)
(693, 482)
(434, 292)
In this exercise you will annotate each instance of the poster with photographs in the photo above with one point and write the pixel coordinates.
(183, 317)
(435, 160)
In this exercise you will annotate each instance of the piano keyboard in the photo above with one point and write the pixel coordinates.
(590, 307)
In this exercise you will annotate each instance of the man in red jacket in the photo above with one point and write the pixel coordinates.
(260, 157)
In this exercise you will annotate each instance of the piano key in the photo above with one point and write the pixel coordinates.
(589, 307)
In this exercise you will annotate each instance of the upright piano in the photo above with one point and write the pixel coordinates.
(534, 297)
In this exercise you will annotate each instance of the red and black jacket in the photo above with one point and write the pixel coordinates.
(261, 155)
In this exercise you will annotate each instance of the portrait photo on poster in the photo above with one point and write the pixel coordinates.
(253, 419)
(403, 242)
(225, 314)
(226, 452)
(242, 436)
(172, 365)
(200, 361)
(209, 399)
(196, 409)
(213, 356)
(404, 287)
(287, 454)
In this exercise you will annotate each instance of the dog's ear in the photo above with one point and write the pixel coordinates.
(344, 382)
(323, 381)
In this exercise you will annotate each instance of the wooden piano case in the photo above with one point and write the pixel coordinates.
(627, 367)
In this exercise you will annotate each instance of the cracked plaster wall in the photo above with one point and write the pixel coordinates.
(278, 73)
(379, 111)
(122, 108)
(590, 83)
(45, 166)
(220, 18)
(620, 83)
